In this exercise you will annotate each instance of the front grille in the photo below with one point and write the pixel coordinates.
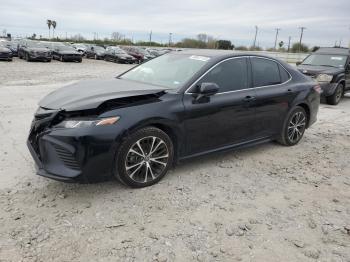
(67, 157)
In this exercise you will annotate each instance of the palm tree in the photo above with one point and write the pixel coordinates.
(49, 23)
(54, 24)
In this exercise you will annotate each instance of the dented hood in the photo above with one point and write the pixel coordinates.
(90, 94)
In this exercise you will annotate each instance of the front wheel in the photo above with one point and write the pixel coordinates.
(336, 97)
(294, 127)
(144, 157)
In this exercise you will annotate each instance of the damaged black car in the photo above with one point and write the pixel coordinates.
(174, 107)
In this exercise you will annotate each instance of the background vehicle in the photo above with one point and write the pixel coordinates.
(81, 48)
(65, 53)
(135, 53)
(331, 68)
(154, 52)
(174, 107)
(34, 51)
(12, 45)
(5, 53)
(96, 52)
(118, 55)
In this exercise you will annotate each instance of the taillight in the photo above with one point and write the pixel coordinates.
(318, 89)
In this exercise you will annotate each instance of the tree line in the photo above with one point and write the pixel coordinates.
(200, 41)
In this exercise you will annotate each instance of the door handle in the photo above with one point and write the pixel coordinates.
(249, 99)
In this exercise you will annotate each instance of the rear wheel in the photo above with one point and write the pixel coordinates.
(336, 97)
(144, 157)
(294, 127)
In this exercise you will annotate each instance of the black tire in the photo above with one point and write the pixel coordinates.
(294, 127)
(145, 172)
(80, 60)
(10, 59)
(336, 97)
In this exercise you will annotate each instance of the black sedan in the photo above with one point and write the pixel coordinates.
(174, 107)
(65, 53)
(95, 52)
(118, 55)
(5, 53)
(34, 51)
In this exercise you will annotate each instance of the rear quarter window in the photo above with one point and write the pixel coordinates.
(284, 74)
(265, 72)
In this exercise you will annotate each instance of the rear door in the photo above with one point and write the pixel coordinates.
(225, 118)
(274, 93)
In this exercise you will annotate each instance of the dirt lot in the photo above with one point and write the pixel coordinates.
(267, 203)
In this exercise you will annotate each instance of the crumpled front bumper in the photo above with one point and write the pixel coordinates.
(72, 154)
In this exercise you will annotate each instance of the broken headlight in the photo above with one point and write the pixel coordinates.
(79, 123)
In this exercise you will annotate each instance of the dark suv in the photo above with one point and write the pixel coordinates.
(331, 68)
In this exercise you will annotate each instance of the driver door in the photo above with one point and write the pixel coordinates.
(225, 118)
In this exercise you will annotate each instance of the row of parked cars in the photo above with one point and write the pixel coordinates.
(46, 51)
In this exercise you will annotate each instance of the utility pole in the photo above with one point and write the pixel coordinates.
(289, 39)
(277, 31)
(170, 38)
(150, 38)
(301, 36)
(256, 34)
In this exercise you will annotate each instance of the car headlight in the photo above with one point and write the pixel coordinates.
(324, 78)
(79, 123)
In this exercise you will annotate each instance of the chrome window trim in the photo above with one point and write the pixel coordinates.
(245, 89)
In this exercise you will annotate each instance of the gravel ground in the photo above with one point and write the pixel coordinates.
(266, 203)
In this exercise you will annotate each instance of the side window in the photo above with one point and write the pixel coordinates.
(265, 72)
(230, 75)
(284, 74)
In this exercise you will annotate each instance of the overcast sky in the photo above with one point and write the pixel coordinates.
(326, 21)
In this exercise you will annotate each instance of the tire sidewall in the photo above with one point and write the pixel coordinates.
(120, 157)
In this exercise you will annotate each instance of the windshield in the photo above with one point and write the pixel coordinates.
(37, 45)
(171, 71)
(120, 51)
(65, 48)
(325, 60)
(98, 48)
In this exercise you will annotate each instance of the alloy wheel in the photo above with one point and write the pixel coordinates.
(146, 159)
(296, 127)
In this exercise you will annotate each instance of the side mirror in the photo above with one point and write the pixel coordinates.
(208, 89)
(204, 91)
(298, 63)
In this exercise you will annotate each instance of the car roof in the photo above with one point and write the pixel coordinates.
(222, 54)
(333, 51)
